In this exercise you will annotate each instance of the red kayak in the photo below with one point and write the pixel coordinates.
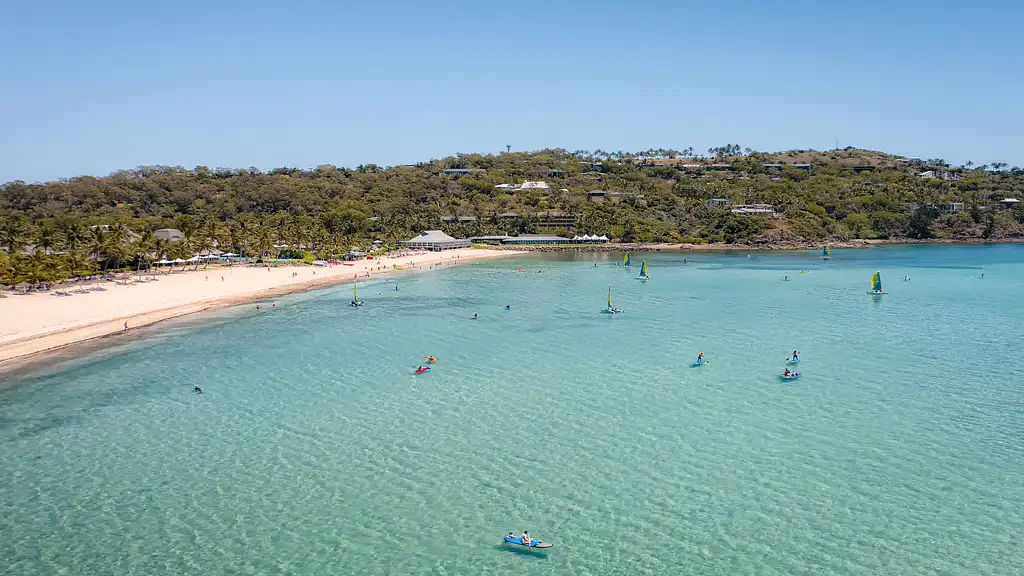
(422, 370)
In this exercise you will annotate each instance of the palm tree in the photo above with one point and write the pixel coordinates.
(98, 244)
(47, 239)
(144, 249)
(12, 234)
(74, 234)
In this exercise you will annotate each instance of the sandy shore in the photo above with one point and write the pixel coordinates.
(34, 323)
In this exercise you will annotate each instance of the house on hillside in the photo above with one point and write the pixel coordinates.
(863, 168)
(754, 210)
(597, 195)
(803, 166)
(459, 172)
(942, 174)
(435, 241)
(1009, 202)
(556, 173)
(534, 186)
(718, 202)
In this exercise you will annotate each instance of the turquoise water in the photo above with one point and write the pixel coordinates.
(314, 450)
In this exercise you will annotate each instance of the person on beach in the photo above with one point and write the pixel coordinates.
(125, 326)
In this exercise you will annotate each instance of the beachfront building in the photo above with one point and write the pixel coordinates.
(540, 239)
(434, 241)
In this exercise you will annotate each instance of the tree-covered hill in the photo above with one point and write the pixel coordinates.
(655, 195)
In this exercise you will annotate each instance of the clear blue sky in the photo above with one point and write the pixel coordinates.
(92, 87)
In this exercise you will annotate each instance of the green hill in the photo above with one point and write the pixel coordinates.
(652, 196)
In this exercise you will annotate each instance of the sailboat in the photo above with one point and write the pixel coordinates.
(355, 297)
(643, 272)
(625, 259)
(876, 285)
(826, 254)
(610, 309)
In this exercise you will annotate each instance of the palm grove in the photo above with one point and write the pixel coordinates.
(72, 227)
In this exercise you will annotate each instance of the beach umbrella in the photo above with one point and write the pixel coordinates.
(229, 254)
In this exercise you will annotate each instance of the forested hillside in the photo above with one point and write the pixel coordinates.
(657, 195)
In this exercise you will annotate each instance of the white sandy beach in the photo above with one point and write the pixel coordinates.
(32, 323)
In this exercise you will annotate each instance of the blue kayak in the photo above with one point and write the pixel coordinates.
(792, 376)
(533, 543)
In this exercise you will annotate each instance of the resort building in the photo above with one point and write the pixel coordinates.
(719, 202)
(1009, 202)
(597, 195)
(555, 219)
(435, 241)
(754, 210)
(540, 239)
(169, 234)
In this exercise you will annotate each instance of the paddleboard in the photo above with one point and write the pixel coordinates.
(533, 543)
(700, 362)
(793, 360)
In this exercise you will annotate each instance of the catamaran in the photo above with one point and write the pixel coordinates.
(876, 285)
(625, 259)
(643, 272)
(355, 297)
(610, 309)
(826, 254)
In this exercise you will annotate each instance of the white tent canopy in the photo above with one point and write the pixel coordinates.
(165, 261)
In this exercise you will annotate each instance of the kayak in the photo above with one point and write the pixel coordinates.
(431, 359)
(422, 370)
(792, 376)
(533, 543)
(793, 360)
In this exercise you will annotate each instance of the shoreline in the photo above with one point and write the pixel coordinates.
(31, 339)
(761, 247)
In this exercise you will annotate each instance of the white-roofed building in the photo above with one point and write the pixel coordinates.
(534, 186)
(435, 241)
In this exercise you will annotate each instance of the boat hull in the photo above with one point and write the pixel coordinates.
(533, 543)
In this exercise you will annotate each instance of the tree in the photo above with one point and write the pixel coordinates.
(13, 232)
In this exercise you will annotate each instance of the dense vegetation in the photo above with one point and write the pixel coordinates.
(78, 225)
